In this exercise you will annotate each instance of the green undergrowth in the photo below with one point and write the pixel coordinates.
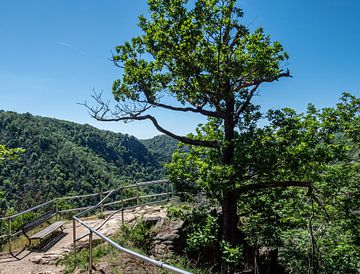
(135, 237)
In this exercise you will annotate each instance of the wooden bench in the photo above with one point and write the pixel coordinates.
(44, 232)
(47, 230)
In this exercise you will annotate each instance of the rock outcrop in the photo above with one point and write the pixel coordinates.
(168, 240)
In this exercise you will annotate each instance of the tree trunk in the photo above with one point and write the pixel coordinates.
(230, 219)
(229, 203)
(230, 232)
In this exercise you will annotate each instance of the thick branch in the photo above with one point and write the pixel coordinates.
(150, 99)
(244, 105)
(189, 109)
(186, 140)
(239, 33)
(102, 112)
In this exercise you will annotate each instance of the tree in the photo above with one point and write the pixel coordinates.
(9, 153)
(204, 57)
(318, 150)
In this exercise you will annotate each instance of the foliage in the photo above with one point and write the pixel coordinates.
(204, 234)
(200, 54)
(64, 158)
(312, 225)
(138, 234)
(201, 227)
(71, 263)
(9, 153)
(162, 147)
(231, 255)
(191, 52)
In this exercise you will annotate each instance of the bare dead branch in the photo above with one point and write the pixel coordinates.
(102, 112)
(186, 140)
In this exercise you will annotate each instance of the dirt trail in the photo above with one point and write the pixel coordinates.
(45, 262)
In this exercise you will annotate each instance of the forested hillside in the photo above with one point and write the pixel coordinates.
(64, 158)
(162, 147)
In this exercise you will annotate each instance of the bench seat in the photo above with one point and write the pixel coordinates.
(47, 230)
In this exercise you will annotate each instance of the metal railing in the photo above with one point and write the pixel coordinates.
(51, 204)
(54, 206)
(169, 194)
(120, 199)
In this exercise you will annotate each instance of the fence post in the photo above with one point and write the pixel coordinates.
(167, 191)
(122, 206)
(57, 210)
(10, 235)
(90, 252)
(102, 205)
(172, 190)
(137, 195)
(74, 239)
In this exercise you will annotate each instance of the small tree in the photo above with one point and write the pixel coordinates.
(200, 54)
(9, 153)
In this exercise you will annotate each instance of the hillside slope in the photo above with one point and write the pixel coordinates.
(65, 158)
(161, 146)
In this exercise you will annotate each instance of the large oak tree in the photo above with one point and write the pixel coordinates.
(201, 54)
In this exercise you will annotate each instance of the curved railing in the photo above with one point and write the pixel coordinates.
(169, 194)
(117, 200)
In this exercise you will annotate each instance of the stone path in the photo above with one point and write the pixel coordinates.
(45, 263)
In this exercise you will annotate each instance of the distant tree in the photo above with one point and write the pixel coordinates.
(200, 54)
(9, 153)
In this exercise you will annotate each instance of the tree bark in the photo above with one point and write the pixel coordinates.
(230, 231)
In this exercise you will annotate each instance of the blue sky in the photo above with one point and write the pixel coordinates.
(54, 53)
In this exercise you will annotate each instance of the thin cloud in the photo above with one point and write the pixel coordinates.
(72, 48)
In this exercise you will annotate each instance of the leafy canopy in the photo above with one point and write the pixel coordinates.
(192, 53)
(319, 148)
(198, 53)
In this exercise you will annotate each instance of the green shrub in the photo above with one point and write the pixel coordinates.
(232, 255)
(137, 235)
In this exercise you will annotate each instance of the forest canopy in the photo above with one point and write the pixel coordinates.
(64, 158)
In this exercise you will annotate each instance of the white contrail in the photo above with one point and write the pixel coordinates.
(72, 48)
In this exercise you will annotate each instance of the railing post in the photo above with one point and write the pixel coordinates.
(172, 190)
(167, 191)
(90, 252)
(10, 235)
(74, 239)
(122, 207)
(57, 210)
(102, 205)
(137, 195)
(1, 232)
